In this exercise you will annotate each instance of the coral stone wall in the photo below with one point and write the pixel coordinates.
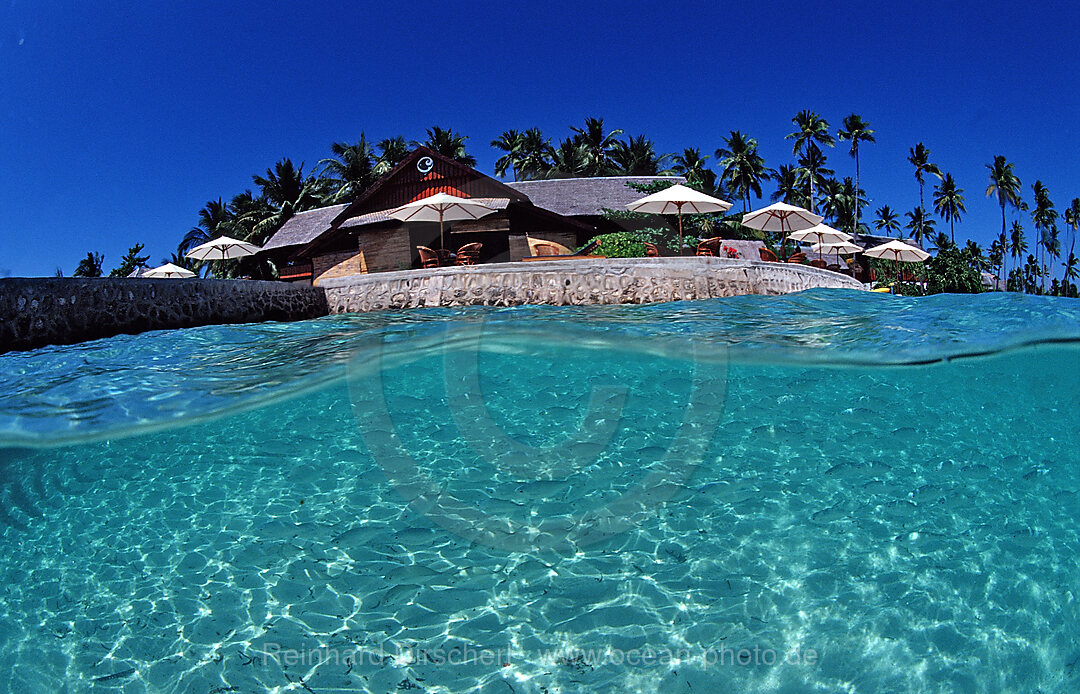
(41, 311)
(574, 282)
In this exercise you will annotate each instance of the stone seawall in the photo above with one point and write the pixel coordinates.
(42, 311)
(575, 282)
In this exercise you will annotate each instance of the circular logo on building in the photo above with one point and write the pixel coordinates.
(520, 437)
(425, 164)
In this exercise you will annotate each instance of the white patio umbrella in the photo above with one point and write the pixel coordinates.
(223, 248)
(823, 233)
(674, 200)
(840, 248)
(781, 217)
(898, 251)
(168, 270)
(441, 207)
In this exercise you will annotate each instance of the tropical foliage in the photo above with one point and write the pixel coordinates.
(855, 130)
(742, 170)
(622, 244)
(90, 266)
(130, 261)
(736, 170)
(951, 271)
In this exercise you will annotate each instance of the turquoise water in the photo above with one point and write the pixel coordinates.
(826, 492)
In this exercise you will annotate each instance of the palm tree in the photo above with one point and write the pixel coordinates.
(741, 167)
(636, 156)
(1072, 219)
(691, 166)
(536, 156)
(831, 200)
(887, 220)
(569, 160)
(812, 171)
(597, 145)
(1002, 242)
(90, 266)
(949, 202)
(940, 242)
(997, 256)
(974, 254)
(287, 188)
(1072, 269)
(352, 171)
(919, 156)
(449, 144)
(252, 218)
(180, 260)
(1052, 249)
(1044, 217)
(854, 198)
(838, 202)
(1004, 184)
(1031, 275)
(1017, 244)
(855, 130)
(919, 224)
(811, 130)
(509, 142)
(214, 220)
(391, 151)
(788, 186)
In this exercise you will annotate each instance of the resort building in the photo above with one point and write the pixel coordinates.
(361, 237)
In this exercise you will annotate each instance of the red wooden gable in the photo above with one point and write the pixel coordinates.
(424, 172)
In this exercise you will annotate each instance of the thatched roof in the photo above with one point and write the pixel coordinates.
(586, 196)
(303, 227)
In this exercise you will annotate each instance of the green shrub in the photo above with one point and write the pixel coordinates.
(621, 244)
(950, 272)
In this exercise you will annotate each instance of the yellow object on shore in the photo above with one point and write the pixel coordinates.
(533, 243)
(882, 290)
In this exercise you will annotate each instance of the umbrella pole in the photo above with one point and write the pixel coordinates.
(679, 209)
(442, 244)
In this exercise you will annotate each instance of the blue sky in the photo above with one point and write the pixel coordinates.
(119, 120)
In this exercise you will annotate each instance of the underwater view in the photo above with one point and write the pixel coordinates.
(831, 491)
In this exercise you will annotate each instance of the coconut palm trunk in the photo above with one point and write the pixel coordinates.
(1004, 235)
(678, 209)
(855, 145)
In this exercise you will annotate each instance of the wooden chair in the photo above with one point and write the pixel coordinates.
(651, 250)
(428, 257)
(907, 276)
(545, 249)
(468, 254)
(588, 248)
(797, 257)
(767, 255)
(833, 267)
(709, 247)
(817, 262)
(445, 257)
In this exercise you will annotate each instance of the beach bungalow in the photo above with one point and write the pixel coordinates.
(360, 237)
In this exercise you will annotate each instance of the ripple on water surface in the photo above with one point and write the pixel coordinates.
(916, 528)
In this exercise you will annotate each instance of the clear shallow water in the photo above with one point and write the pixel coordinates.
(605, 498)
